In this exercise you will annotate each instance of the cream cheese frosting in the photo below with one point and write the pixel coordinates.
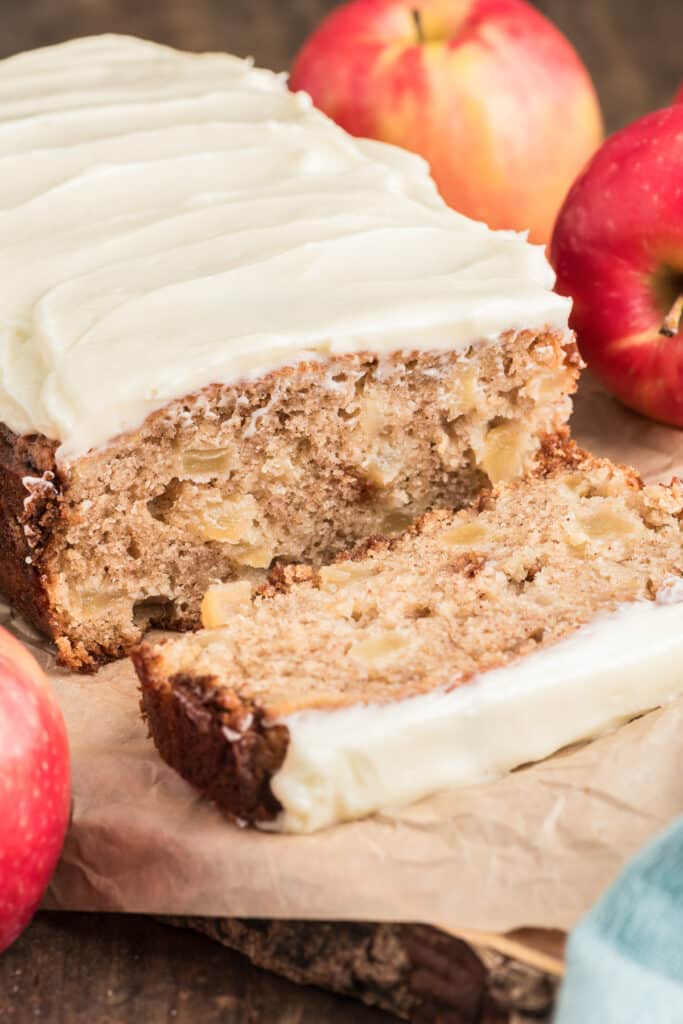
(350, 762)
(172, 220)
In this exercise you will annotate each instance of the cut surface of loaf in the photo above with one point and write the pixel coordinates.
(293, 467)
(549, 610)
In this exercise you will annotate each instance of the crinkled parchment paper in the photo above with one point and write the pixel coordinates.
(532, 849)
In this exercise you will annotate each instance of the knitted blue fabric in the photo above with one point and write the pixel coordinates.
(625, 958)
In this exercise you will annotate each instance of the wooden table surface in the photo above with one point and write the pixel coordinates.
(95, 969)
(116, 969)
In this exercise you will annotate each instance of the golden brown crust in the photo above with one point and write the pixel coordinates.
(30, 492)
(213, 739)
(559, 453)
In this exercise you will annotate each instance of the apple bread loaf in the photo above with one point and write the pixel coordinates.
(233, 336)
(293, 467)
(548, 611)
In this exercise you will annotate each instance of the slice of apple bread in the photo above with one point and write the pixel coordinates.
(548, 610)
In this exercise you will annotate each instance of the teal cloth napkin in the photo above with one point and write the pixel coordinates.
(625, 958)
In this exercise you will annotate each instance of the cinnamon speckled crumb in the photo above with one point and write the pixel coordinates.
(293, 467)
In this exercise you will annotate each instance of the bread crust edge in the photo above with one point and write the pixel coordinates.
(216, 741)
(30, 511)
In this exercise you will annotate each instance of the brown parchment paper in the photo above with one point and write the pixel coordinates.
(532, 849)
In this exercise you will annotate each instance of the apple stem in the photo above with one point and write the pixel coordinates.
(419, 27)
(672, 320)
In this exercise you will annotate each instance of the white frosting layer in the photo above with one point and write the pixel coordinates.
(347, 763)
(170, 220)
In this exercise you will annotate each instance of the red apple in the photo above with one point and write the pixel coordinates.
(34, 786)
(488, 91)
(618, 251)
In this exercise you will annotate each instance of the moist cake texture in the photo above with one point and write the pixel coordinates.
(233, 335)
(293, 467)
(512, 621)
